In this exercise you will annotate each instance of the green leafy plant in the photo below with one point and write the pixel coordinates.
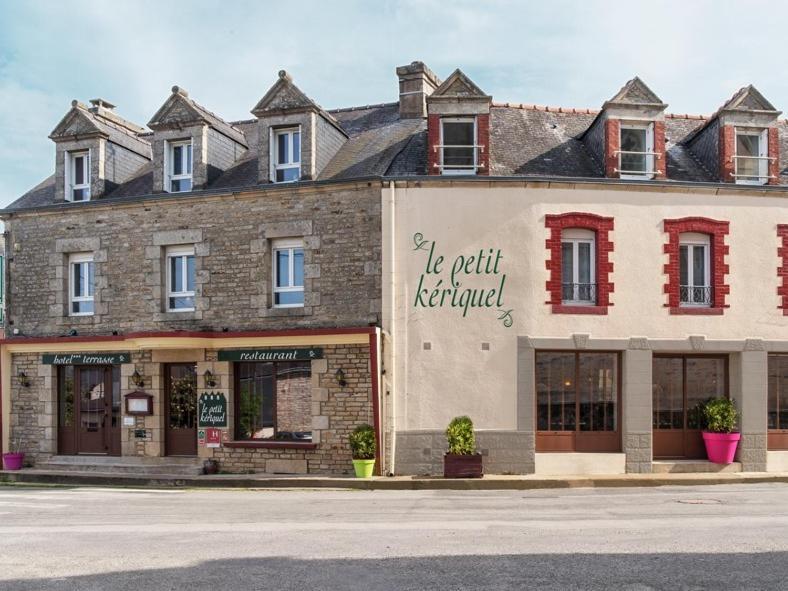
(462, 440)
(362, 442)
(720, 415)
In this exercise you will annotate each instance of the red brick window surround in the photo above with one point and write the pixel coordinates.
(782, 270)
(728, 154)
(603, 246)
(716, 230)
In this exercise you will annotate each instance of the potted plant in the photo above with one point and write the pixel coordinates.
(14, 459)
(363, 446)
(462, 460)
(719, 436)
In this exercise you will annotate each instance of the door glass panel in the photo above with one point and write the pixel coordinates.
(597, 391)
(66, 396)
(555, 391)
(705, 379)
(91, 399)
(668, 393)
(182, 397)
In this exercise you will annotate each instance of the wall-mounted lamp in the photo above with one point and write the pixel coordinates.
(340, 378)
(137, 379)
(210, 380)
(24, 381)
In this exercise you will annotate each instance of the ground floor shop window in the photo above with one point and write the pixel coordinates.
(680, 385)
(577, 401)
(778, 402)
(273, 401)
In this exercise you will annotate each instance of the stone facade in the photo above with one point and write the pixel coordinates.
(232, 235)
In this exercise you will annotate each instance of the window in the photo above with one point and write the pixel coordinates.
(180, 279)
(577, 401)
(778, 402)
(458, 146)
(179, 166)
(78, 176)
(695, 270)
(273, 401)
(82, 284)
(577, 267)
(287, 155)
(636, 156)
(752, 162)
(288, 273)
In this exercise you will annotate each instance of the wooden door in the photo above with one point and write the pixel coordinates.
(89, 410)
(180, 409)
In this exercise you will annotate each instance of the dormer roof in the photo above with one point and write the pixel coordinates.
(82, 122)
(749, 98)
(179, 110)
(459, 86)
(635, 93)
(285, 97)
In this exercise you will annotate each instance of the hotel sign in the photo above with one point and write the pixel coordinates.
(85, 358)
(270, 354)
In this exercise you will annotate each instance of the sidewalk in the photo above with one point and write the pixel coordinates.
(492, 482)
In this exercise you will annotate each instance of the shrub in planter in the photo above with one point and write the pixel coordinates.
(363, 445)
(14, 459)
(720, 436)
(462, 460)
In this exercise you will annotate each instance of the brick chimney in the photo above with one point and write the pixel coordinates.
(416, 83)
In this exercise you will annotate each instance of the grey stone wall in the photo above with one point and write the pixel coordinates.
(342, 242)
(637, 411)
(33, 408)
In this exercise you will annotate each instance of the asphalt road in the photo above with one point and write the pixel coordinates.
(715, 537)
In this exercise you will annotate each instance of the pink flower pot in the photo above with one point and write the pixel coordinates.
(13, 461)
(721, 447)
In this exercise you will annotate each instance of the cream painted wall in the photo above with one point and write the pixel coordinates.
(456, 376)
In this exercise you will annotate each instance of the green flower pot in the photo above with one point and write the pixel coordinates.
(364, 468)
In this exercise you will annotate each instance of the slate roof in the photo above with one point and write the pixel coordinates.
(526, 140)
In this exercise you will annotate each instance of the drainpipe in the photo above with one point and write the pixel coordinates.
(391, 371)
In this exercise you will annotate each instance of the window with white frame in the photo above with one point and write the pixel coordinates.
(578, 268)
(636, 154)
(181, 275)
(288, 275)
(752, 159)
(695, 270)
(78, 176)
(286, 155)
(179, 166)
(458, 149)
(81, 285)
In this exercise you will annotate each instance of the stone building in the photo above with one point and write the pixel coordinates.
(575, 280)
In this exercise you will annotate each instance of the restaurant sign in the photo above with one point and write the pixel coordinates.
(270, 354)
(212, 410)
(85, 358)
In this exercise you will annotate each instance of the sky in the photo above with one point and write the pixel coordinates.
(693, 54)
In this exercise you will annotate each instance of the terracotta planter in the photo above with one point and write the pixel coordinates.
(459, 466)
(13, 461)
(721, 447)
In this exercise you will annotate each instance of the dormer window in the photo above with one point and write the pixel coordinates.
(636, 155)
(179, 166)
(287, 155)
(458, 149)
(78, 176)
(751, 158)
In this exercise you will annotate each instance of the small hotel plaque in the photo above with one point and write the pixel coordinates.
(85, 358)
(270, 354)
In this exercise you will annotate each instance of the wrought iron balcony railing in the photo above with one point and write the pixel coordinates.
(696, 295)
(578, 293)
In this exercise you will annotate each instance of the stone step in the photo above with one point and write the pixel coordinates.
(123, 465)
(692, 467)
